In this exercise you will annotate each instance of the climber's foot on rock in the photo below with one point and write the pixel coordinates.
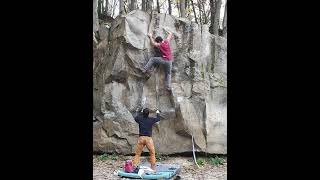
(167, 92)
(164, 92)
(169, 89)
(146, 73)
(153, 167)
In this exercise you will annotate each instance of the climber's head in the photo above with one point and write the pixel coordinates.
(145, 112)
(159, 39)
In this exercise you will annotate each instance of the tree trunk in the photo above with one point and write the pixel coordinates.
(149, 6)
(113, 7)
(158, 6)
(178, 7)
(217, 17)
(205, 18)
(187, 8)
(170, 10)
(187, 3)
(183, 8)
(212, 12)
(121, 7)
(95, 16)
(133, 5)
(99, 8)
(143, 5)
(200, 12)
(224, 31)
(103, 7)
(194, 12)
(106, 10)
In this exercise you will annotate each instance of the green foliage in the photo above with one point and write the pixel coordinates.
(201, 161)
(103, 157)
(114, 157)
(160, 157)
(216, 161)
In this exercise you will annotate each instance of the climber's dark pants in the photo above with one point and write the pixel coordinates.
(167, 68)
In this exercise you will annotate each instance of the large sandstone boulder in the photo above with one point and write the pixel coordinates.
(198, 104)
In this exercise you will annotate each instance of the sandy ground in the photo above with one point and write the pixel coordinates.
(103, 169)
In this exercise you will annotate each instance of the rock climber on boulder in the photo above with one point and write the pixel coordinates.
(165, 59)
(145, 136)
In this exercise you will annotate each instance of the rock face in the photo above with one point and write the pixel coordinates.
(198, 104)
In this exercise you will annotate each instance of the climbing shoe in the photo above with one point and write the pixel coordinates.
(169, 90)
(136, 170)
(146, 73)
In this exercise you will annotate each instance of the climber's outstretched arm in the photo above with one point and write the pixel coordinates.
(137, 115)
(157, 119)
(170, 36)
(152, 41)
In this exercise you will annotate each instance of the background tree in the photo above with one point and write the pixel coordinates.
(99, 10)
(204, 13)
(126, 5)
(183, 8)
(194, 11)
(95, 16)
(133, 4)
(149, 6)
(114, 8)
(143, 5)
(169, 6)
(178, 7)
(187, 3)
(106, 9)
(188, 9)
(216, 17)
(121, 7)
(200, 10)
(224, 23)
(102, 7)
(212, 13)
(158, 6)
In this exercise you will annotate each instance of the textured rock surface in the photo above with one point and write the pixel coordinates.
(198, 104)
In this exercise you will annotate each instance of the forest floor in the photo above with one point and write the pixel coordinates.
(211, 168)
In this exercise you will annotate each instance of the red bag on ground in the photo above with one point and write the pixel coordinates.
(128, 166)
